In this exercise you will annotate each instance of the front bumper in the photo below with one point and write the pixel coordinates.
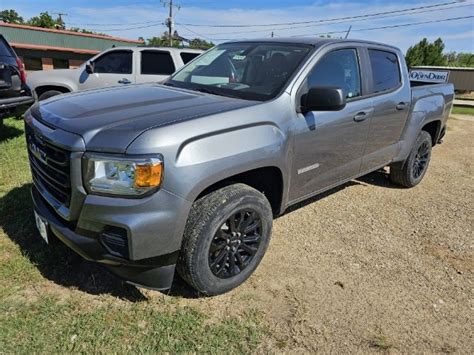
(155, 272)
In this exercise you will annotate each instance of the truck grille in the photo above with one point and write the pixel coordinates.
(50, 167)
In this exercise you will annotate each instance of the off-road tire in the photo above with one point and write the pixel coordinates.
(403, 173)
(206, 217)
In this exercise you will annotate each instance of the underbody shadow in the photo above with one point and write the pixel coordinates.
(380, 178)
(56, 262)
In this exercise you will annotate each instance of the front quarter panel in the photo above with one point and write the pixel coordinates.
(202, 152)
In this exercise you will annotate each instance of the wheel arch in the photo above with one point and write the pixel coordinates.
(268, 180)
(41, 89)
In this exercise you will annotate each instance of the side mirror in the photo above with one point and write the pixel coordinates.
(89, 68)
(324, 98)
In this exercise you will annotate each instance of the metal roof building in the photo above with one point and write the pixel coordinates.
(44, 48)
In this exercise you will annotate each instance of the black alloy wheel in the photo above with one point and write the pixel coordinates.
(235, 243)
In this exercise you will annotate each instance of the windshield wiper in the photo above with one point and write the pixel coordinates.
(214, 92)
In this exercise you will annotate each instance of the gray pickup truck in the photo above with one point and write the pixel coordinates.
(189, 175)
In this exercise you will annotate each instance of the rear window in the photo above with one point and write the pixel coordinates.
(157, 63)
(385, 70)
(187, 57)
(5, 49)
(60, 63)
(32, 63)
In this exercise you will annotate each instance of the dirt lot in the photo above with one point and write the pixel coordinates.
(372, 266)
(365, 267)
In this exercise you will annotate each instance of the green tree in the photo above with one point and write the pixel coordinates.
(45, 20)
(11, 16)
(426, 53)
(198, 43)
(460, 59)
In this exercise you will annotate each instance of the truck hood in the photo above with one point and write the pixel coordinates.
(110, 119)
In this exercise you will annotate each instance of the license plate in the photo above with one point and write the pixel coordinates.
(42, 226)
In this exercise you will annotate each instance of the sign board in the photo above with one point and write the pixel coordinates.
(429, 76)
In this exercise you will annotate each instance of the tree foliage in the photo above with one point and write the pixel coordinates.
(179, 41)
(11, 16)
(426, 53)
(460, 59)
(45, 20)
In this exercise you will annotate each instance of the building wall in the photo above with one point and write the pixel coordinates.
(50, 59)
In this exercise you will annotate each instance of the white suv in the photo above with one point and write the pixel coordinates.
(114, 66)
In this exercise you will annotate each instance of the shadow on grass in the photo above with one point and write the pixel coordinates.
(8, 132)
(56, 262)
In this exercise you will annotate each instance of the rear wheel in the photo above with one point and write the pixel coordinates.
(411, 171)
(226, 236)
(47, 94)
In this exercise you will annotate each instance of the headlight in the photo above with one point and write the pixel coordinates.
(127, 176)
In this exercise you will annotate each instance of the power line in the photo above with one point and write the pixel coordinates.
(326, 20)
(390, 26)
(127, 28)
(370, 28)
(339, 22)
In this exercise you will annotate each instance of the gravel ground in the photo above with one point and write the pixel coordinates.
(370, 266)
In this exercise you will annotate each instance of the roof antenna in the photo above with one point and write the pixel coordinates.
(348, 31)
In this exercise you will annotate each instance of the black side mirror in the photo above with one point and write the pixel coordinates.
(89, 68)
(324, 98)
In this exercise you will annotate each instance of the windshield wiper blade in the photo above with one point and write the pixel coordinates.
(214, 92)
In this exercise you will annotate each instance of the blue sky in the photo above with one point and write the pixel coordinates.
(128, 15)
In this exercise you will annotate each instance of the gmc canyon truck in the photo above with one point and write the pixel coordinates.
(112, 67)
(189, 175)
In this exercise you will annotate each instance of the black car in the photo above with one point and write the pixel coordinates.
(15, 96)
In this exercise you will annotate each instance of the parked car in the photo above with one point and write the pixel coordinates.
(115, 66)
(191, 173)
(15, 96)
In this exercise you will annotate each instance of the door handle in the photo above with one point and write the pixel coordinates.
(360, 116)
(401, 106)
(124, 81)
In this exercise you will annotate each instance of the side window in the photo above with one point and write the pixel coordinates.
(115, 62)
(187, 57)
(157, 63)
(339, 68)
(385, 70)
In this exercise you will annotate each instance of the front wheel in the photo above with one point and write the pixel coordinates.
(411, 171)
(226, 236)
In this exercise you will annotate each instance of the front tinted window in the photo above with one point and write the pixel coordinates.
(157, 63)
(254, 71)
(115, 62)
(339, 68)
(187, 57)
(385, 70)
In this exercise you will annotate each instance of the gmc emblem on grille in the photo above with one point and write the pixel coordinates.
(38, 153)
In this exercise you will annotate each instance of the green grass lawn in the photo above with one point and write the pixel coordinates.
(53, 301)
(461, 110)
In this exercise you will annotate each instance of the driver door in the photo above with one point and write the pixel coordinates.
(329, 145)
(113, 68)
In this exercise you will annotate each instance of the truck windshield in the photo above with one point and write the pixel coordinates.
(251, 71)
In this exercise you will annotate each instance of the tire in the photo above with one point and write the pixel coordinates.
(209, 225)
(50, 93)
(411, 171)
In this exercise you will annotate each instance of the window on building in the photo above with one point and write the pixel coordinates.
(157, 63)
(60, 63)
(187, 56)
(339, 68)
(114, 62)
(385, 70)
(32, 63)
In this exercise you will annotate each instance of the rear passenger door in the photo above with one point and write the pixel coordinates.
(391, 97)
(112, 68)
(155, 66)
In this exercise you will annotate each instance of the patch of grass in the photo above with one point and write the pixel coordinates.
(51, 300)
(380, 342)
(50, 326)
(461, 110)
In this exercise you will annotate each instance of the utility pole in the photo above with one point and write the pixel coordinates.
(272, 34)
(169, 21)
(60, 18)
